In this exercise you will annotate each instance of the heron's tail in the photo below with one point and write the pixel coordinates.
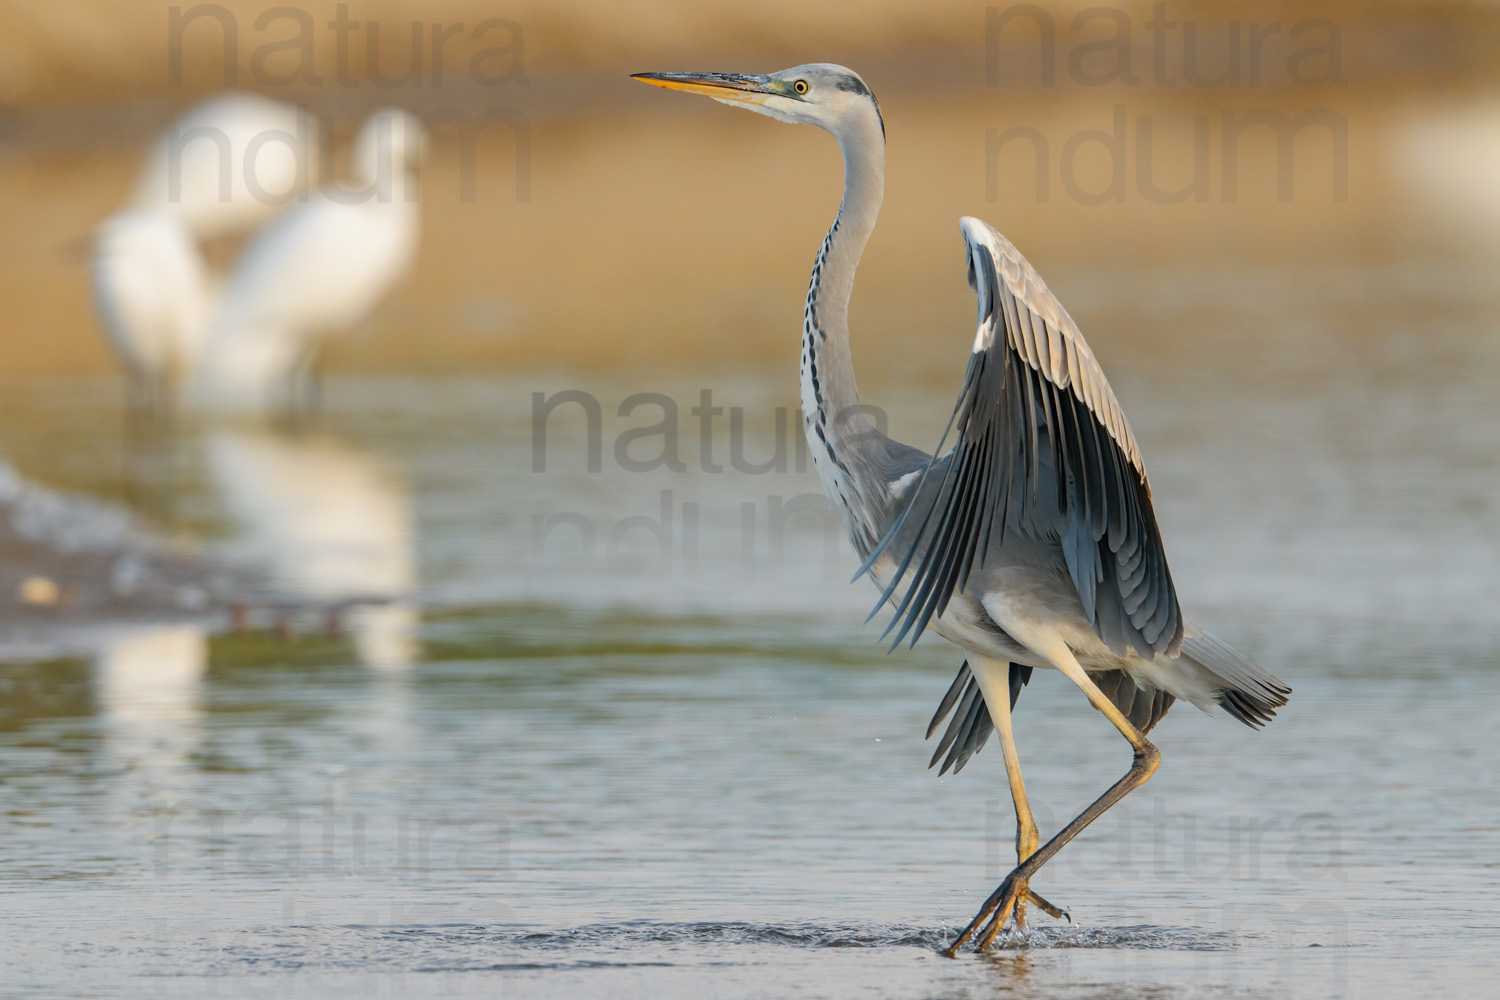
(1248, 693)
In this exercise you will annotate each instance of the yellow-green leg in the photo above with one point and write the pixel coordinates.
(994, 682)
(1002, 903)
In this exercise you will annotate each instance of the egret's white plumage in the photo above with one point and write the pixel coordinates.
(229, 163)
(150, 289)
(317, 269)
(226, 165)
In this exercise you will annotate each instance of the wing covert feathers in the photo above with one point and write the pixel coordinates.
(1042, 447)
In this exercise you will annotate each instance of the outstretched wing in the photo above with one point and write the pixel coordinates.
(1042, 448)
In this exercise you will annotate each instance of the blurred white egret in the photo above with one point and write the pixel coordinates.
(317, 269)
(1444, 153)
(151, 291)
(328, 526)
(229, 163)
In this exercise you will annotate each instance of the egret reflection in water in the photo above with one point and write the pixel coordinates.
(148, 686)
(328, 525)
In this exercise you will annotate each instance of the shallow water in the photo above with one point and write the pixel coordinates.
(679, 766)
(698, 805)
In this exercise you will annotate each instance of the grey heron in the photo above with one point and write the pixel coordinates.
(1031, 542)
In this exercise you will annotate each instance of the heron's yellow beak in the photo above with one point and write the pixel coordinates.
(719, 86)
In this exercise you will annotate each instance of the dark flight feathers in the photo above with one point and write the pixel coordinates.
(1043, 448)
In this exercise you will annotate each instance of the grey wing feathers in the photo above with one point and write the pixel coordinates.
(1142, 704)
(1250, 694)
(1042, 447)
(971, 725)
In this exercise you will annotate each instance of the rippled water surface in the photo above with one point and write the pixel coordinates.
(662, 757)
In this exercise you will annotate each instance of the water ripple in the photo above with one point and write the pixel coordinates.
(639, 943)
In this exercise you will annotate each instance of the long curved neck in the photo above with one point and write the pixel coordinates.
(830, 399)
(839, 436)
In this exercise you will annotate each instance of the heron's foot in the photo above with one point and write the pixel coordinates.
(1051, 909)
(1007, 901)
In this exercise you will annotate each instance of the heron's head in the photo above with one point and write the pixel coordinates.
(823, 94)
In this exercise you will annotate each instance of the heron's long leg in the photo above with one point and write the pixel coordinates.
(1027, 837)
(1002, 901)
(994, 681)
(993, 677)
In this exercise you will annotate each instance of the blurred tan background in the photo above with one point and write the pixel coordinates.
(654, 229)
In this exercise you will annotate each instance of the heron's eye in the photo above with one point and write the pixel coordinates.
(800, 86)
